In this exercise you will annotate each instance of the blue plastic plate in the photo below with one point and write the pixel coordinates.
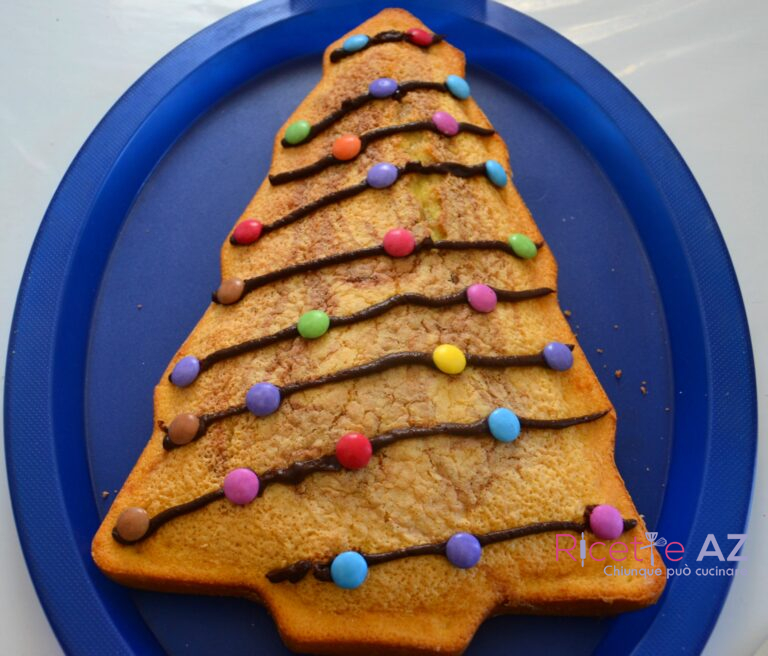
(128, 253)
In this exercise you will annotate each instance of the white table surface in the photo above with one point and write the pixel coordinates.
(699, 66)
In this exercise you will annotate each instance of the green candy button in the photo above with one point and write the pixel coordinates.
(297, 132)
(522, 246)
(313, 324)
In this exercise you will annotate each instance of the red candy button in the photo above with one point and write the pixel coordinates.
(247, 232)
(419, 37)
(346, 147)
(399, 242)
(354, 450)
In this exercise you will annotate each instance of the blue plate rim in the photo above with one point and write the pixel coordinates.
(719, 304)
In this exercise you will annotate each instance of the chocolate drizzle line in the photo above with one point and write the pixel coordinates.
(172, 513)
(351, 104)
(321, 569)
(365, 140)
(371, 312)
(384, 363)
(427, 243)
(390, 36)
(295, 473)
(442, 168)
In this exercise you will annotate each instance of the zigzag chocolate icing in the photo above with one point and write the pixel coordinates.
(351, 104)
(427, 243)
(321, 569)
(371, 312)
(441, 168)
(389, 36)
(365, 140)
(384, 363)
(296, 472)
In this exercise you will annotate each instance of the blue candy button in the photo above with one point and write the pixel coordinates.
(496, 173)
(458, 86)
(355, 42)
(504, 425)
(349, 570)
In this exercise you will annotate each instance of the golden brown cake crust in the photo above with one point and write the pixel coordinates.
(412, 492)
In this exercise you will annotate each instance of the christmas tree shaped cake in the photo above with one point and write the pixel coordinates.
(383, 428)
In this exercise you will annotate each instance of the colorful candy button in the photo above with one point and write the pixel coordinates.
(382, 87)
(399, 242)
(241, 486)
(382, 175)
(606, 522)
(496, 173)
(449, 359)
(354, 450)
(263, 399)
(185, 372)
(445, 123)
(297, 132)
(457, 86)
(132, 524)
(522, 246)
(183, 429)
(346, 147)
(247, 232)
(230, 291)
(558, 356)
(419, 37)
(504, 425)
(349, 570)
(481, 298)
(313, 324)
(355, 42)
(463, 550)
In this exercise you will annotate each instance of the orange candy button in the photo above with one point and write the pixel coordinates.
(346, 147)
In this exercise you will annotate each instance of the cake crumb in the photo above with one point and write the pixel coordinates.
(644, 389)
(618, 374)
(615, 326)
(105, 494)
(567, 313)
(139, 306)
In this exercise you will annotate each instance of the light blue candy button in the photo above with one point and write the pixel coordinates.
(496, 173)
(355, 42)
(349, 570)
(458, 86)
(504, 425)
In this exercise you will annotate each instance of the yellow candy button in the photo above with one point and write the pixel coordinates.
(449, 359)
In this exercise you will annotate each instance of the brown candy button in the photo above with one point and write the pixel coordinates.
(132, 524)
(230, 291)
(183, 429)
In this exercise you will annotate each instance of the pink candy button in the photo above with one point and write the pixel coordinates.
(481, 297)
(241, 486)
(445, 123)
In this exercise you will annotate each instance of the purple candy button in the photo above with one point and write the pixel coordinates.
(263, 399)
(382, 87)
(241, 486)
(382, 175)
(445, 123)
(481, 298)
(185, 372)
(606, 522)
(558, 356)
(463, 550)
